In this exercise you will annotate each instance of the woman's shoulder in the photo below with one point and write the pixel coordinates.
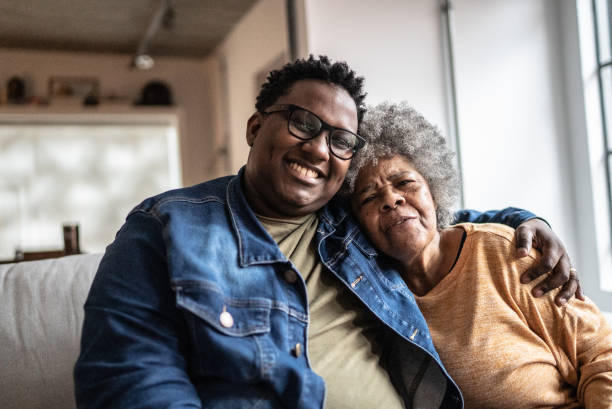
(493, 237)
(490, 231)
(492, 253)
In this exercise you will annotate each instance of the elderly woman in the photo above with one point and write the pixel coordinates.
(504, 348)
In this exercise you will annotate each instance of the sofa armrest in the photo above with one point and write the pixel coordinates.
(41, 315)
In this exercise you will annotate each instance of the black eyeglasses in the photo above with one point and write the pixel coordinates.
(305, 125)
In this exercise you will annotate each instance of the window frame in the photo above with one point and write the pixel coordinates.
(602, 64)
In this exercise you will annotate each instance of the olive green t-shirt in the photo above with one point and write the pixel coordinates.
(344, 338)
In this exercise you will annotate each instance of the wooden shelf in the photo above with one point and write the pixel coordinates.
(82, 114)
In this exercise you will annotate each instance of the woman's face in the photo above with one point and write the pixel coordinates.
(393, 203)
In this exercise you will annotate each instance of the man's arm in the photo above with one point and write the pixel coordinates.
(510, 216)
(533, 231)
(133, 336)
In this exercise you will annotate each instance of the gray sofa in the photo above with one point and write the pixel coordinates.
(41, 315)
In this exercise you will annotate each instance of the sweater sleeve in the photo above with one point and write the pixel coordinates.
(591, 351)
(577, 334)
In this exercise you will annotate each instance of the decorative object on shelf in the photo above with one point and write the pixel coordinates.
(15, 90)
(73, 90)
(155, 93)
(71, 246)
(71, 238)
(91, 100)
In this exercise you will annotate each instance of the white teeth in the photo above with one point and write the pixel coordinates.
(303, 171)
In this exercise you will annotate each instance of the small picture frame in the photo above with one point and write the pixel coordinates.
(73, 89)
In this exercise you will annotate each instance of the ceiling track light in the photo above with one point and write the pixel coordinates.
(163, 17)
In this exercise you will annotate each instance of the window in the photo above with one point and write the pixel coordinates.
(586, 31)
(602, 17)
(79, 168)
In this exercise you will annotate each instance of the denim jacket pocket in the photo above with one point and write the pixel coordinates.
(228, 335)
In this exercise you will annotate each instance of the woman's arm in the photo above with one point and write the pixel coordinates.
(577, 334)
(589, 337)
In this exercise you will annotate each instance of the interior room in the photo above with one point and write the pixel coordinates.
(103, 104)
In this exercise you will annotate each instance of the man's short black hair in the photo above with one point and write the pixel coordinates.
(339, 73)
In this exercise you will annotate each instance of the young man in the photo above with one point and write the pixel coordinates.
(254, 291)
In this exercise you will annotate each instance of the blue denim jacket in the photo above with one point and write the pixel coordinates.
(190, 308)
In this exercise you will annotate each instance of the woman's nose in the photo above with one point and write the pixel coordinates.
(391, 200)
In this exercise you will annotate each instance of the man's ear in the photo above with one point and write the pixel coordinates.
(253, 126)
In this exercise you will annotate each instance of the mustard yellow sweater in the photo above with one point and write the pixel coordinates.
(507, 349)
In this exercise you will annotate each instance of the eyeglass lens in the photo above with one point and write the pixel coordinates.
(305, 125)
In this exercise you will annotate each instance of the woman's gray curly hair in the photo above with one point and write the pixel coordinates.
(397, 129)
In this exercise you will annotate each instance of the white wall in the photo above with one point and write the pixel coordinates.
(394, 44)
(512, 112)
(257, 43)
(192, 81)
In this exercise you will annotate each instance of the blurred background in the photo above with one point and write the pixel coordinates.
(105, 103)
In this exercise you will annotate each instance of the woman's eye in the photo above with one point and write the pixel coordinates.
(367, 199)
(405, 182)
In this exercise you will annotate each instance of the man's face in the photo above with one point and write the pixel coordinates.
(286, 177)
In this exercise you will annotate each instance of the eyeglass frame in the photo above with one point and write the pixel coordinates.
(291, 108)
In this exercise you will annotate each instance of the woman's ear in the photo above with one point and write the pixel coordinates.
(253, 126)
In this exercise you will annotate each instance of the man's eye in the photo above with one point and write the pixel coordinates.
(341, 143)
(305, 122)
(304, 126)
(404, 182)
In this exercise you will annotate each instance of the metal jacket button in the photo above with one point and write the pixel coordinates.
(226, 319)
(297, 350)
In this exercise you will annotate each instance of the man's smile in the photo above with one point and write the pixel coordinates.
(304, 171)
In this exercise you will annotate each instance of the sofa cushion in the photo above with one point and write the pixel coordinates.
(41, 315)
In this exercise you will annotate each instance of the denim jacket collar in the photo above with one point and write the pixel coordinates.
(337, 218)
(255, 245)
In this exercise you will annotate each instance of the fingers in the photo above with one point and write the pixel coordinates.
(567, 291)
(524, 238)
(579, 293)
(548, 261)
(538, 234)
(560, 275)
(571, 288)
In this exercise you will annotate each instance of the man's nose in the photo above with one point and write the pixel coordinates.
(392, 199)
(318, 146)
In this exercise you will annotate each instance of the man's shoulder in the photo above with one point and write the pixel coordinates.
(213, 190)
